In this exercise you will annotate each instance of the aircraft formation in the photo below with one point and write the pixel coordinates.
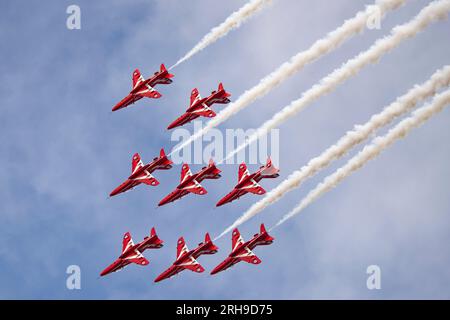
(189, 184)
(249, 183)
(187, 259)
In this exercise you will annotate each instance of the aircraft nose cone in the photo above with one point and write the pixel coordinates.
(214, 272)
(163, 202)
(171, 126)
(220, 203)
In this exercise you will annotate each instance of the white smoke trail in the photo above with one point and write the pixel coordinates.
(440, 79)
(372, 150)
(321, 47)
(436, 10)
(232, 22)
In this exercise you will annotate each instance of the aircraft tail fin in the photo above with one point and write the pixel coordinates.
(267, 238)
(163, 69)
(269, 170)
(262, 228)
(216, 171)
(226, 94)
(165, 161)
(157, 240)
(209, 246)
(223, 97)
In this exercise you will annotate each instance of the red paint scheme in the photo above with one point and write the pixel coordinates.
(190, 183)
(249, 182)
(241, 251)
(132, 253)
(141, 173)
(187, 259)
(145, 88)
(200, 107)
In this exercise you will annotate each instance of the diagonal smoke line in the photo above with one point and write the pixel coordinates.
(436, 10)
(232, 22)
(371, 151)
(440, 79)
(321, 47)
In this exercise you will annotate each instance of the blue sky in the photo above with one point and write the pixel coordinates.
(62, 152)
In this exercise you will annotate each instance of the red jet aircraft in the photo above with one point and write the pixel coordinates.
(132, 253)
(249, 182)
(190, 183)
(187, 259)
(141, 173)
(200, 107)
(145, 88)
(241, 251)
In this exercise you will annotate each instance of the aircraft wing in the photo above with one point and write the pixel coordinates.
(136, 163)
(205, 111)
(253, 187)
(243, 172)
(185, 172)
(192, 265)
(195, 187)
(127, 242)
(249, 257)
(236, 239)
(147, 178)
(195, 97)
(149, 92)
(181, 247)
(138, 258)
(137, 78)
